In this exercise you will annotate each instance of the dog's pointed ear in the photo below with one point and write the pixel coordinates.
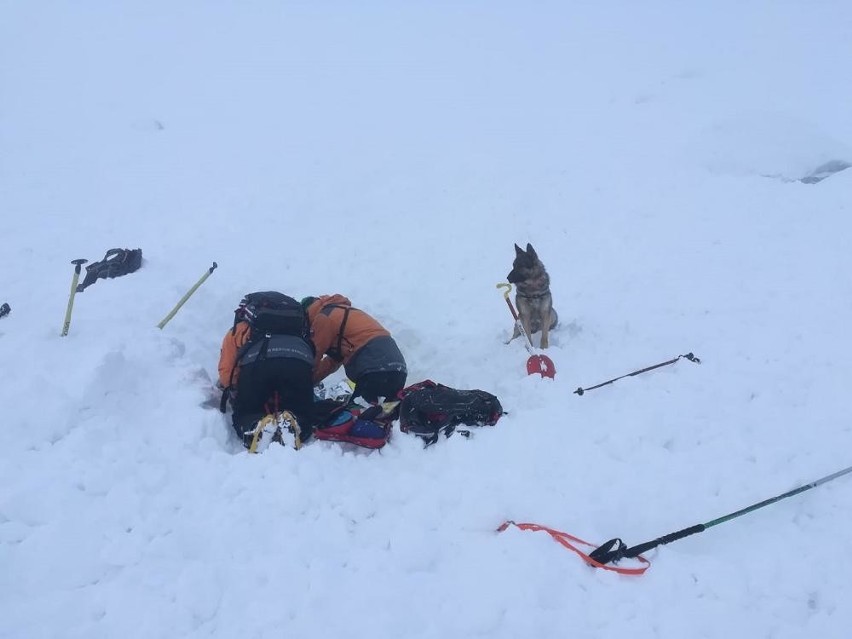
(518, 250)
(531, 250)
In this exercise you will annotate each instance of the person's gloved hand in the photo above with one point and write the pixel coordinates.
(228, 394)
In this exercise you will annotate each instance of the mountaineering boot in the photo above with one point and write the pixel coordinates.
(287, 423)
(263, 434)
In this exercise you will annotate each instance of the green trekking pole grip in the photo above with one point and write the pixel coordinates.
(187, 296)
(77, 265)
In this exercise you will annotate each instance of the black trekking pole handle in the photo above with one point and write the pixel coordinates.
(615, 549)
(689, 356)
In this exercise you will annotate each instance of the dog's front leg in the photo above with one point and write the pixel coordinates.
(545, 329)
(515, 333)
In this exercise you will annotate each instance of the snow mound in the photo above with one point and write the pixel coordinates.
(771, 145)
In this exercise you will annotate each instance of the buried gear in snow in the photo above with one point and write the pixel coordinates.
(116, 262)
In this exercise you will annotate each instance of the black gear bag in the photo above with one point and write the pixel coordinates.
(428, 409)
(116, 262)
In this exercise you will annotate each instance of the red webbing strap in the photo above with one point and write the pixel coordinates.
(566, 540)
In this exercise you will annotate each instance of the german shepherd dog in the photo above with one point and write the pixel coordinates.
(533, 298)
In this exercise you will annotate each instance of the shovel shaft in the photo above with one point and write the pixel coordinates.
(518, 324)
(511, 307)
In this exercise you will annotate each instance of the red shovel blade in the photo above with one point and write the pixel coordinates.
(542, 365)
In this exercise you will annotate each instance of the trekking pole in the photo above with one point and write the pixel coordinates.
(615, 549)
(187, 296)
(689, 356)
(5, 310)
(77, 265)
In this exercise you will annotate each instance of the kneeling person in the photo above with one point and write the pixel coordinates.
(348, 336)
(266, 363)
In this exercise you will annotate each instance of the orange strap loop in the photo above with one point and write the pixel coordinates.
(566, 540)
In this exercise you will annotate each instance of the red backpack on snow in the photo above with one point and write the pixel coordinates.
(366, 427)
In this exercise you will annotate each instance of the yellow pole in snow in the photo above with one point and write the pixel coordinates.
(187, 296)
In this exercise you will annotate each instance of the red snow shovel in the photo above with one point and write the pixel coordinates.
(536, 363)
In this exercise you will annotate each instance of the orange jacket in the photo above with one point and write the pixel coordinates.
(229, 372)
(325, 329)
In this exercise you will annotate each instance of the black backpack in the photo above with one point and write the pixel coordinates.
(428, 409)
(272, 313)
(116, 262)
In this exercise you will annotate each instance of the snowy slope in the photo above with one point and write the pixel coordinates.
(650, 153)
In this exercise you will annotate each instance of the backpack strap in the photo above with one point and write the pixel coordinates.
(336, 352)
(251, 341)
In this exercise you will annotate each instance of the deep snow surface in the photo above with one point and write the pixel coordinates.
(649, 151)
